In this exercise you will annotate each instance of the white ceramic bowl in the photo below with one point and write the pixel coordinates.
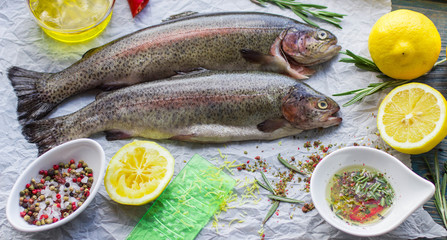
(411, 190)
(81, 149)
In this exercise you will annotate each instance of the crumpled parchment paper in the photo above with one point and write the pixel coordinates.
(23, 43)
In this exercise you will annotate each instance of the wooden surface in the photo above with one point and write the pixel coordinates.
(437, 78)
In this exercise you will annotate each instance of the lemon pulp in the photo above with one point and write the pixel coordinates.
(72, 20)
(412, 118)
(138, 173)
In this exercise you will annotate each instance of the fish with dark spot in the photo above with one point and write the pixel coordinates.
(216, 41)
(207, 107)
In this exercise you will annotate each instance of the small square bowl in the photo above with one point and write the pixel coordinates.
(81, 149)
(411, 190)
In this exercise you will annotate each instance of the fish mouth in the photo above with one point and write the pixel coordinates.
(330, 118)
(324, 53)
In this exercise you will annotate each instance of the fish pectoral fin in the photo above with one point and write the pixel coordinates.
(117, 135)
(180, 15)
(256, 57)
(271, 125)
(302, 69)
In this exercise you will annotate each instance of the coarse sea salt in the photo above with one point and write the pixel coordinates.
(67, 195)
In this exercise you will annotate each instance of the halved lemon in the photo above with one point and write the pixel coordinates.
(412, 118)
(138, 173)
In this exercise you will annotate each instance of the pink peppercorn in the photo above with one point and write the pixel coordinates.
(90, 175)
(69, 170)
(41, 172)
(56, 167)
(22, 214)
(45, 172)
(74, 179)
(58, 196)
(257, 157)
(79, 179)
(54, 220)
(28, 185)
(72, 161)
(35, 191)
(42, 181)
(79, 165)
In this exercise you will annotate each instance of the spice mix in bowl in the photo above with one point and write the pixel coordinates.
(366, 192)
(57, 186)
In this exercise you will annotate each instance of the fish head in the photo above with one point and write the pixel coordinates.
(304, 108)
(309, 47)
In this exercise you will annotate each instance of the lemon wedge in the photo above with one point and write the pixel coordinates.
(412, 118)
(138, 173)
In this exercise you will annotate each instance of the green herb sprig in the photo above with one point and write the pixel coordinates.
(440, 186)
(275, 198)
(303, 11)
(368, 65)
(288, 165)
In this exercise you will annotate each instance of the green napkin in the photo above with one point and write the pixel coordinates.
(187, 204)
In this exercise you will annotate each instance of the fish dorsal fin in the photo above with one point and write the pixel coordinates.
(89, 52)
(179, 16)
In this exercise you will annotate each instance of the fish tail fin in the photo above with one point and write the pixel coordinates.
(30, 105)
(45, 133)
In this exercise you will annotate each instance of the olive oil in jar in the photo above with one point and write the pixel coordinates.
(72, 20)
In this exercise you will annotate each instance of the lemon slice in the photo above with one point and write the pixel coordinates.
(138, 173)
(412, 118)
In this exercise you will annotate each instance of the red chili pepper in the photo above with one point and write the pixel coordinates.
(136, 6)
(359, 216)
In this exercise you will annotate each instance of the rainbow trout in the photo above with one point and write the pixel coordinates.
(216, 41)
(219, 107)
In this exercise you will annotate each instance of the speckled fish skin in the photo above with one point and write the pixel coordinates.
(218, 41)
(198, 108)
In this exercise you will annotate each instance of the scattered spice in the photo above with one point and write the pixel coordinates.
(60, 191)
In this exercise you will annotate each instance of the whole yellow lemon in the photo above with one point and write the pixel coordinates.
(404, 44)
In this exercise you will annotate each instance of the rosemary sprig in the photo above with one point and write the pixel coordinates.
(270, 187)
(275, 198)
(288, 165)
(303, 11)
(360, 62)
(368, 65)
(284, 199)
(440, 187)
(271, 211)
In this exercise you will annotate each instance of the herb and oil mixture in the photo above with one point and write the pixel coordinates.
(360, 195)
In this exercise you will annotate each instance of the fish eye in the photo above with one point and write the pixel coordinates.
(322, 35)
(322, 105)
